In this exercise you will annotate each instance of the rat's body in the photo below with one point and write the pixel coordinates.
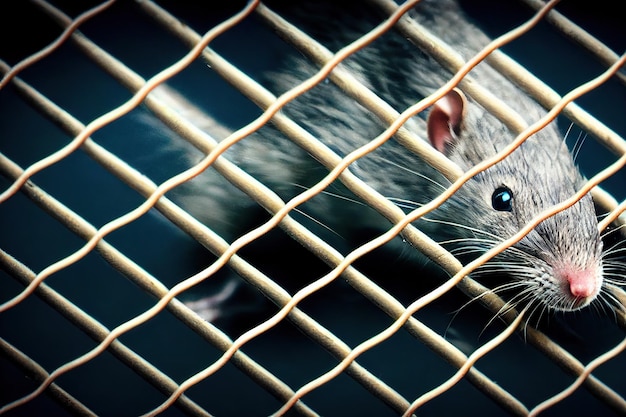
(558, 265)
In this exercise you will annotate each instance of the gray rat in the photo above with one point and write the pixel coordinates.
(558, 266)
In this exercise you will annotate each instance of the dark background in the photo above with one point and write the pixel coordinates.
(107, 386)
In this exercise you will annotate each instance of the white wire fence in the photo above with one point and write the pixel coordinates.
(325, 337)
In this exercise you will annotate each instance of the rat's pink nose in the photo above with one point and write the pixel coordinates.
(582, 284)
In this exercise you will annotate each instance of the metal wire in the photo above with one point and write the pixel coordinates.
(227, 253)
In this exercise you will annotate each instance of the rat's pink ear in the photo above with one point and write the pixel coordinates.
(445, 118)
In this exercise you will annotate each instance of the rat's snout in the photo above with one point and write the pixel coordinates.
(582, 285)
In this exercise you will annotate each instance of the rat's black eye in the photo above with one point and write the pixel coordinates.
(502, 199)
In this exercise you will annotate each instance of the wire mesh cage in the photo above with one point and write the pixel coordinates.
(206, 209)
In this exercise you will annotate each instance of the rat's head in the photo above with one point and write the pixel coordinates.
(558, 264)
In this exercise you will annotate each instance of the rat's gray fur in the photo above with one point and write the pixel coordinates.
(540, 173)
